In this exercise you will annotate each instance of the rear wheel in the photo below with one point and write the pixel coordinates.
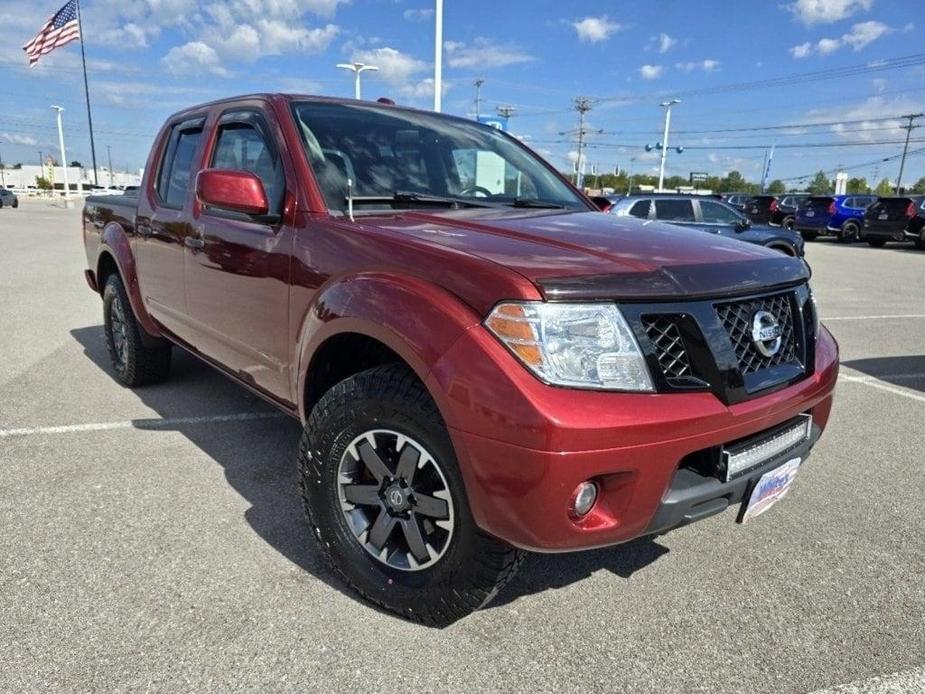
(385, 499)
(136, 363)
(850, 232)
(787, 223)
(876, 243)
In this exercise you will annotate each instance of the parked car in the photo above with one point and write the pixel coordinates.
(482, 362)
(895, 219)
(737, 200)
(8, 198)
(774, 210)
(708, 215)
(841, 215)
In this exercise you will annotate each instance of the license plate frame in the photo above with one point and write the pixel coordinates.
(770, 488)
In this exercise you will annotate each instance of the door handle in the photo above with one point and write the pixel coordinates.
(194, 242)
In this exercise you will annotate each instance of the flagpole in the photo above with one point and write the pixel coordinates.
(83, 59)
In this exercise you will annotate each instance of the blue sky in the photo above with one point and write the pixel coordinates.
(148, 58)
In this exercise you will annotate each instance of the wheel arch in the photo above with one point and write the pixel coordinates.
(366, 320)
(115, 255)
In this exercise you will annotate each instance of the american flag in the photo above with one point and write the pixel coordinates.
(60, 29)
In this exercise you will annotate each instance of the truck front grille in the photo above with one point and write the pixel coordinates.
(737, 317)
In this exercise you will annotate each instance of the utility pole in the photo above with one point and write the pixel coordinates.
(109, 156)
(661, 169)
(629, 186)
(902, 162)
(478, 97)
(582, 105)
(67, 188)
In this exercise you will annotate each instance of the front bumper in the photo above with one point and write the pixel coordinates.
(524, 447)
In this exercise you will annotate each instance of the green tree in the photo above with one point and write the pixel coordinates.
(919, 185)
(777, 187)
(734, 181)
(821, 184)
(884, 188)
(858, 185)
(42, 183)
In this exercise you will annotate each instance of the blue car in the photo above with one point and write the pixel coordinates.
(841, 215)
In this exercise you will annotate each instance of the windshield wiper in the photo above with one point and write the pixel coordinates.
(535, 203)
(426, 198)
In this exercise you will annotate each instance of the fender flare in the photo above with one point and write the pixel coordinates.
(114, 242)
(414, 318)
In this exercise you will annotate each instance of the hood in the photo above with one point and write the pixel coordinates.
(590, 255)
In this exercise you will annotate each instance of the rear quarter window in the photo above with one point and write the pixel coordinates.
(674, 210)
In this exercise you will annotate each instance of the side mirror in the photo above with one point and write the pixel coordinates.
(236, 191)
(744, 223)
(602, 203)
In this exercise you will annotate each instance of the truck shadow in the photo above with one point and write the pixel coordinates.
(259, 461)
(906, 371)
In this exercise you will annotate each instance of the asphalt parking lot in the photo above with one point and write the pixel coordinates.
(153, 540)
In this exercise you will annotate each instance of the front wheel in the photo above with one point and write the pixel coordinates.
(876, 243)
(850, 232)
(385, 498)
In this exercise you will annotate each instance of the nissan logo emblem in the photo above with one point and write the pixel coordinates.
(766, 333)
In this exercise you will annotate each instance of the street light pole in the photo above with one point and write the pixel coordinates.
(109, 157)
(67, 188)
(356, 69)
(438, 57)
(478, 97)
(661, 169)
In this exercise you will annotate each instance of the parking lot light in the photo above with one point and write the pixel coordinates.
(661, 169)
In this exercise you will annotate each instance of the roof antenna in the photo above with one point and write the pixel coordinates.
(350, 199)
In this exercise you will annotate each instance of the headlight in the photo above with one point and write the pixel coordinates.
(582, 345)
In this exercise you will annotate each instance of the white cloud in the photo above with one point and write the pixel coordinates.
(418, 15)
(395, 67)
(707, 65)
(827, 11)
(861, 35)
(864, 121)
(194, 57)
(484, 53)
(650, 72)
(595, 29)
(15, 139)
(665, 42)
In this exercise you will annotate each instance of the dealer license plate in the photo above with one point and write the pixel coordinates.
(810, 213)
(771, 488)
(882, 215)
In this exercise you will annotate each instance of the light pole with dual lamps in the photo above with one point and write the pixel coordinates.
(357, 69)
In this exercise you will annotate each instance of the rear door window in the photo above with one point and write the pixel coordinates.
(177, 165)
(674, 210)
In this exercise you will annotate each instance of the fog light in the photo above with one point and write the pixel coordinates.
(583, 499)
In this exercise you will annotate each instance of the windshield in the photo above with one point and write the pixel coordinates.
(386, 151)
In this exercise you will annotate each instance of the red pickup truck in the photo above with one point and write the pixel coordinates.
(483, 363)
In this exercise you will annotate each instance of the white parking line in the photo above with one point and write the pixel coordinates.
(895, 316)
(140, 424)
(880, 385)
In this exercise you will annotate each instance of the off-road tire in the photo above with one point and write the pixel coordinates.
(876, 243)
(145, 360)
(850, 232)
(474, 566)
